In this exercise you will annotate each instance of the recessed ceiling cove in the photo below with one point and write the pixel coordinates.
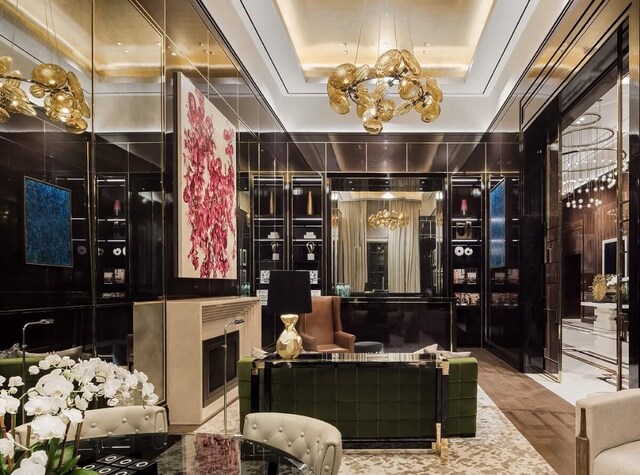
(442, 35)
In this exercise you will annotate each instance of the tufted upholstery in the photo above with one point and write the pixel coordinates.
(314, 442)
(321, 330)
(607, 436)
(116, 421)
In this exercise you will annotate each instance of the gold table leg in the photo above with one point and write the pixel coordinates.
(441, 445)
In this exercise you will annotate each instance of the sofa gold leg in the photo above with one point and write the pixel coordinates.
(441, 445)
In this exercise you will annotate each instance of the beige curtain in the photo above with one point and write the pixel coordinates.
(404, 251)
(353, 243)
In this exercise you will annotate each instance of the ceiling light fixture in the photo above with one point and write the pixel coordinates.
(394, 67)
(62, 93)
(388, 219)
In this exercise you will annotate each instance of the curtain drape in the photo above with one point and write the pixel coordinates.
(404, 251)
(353, 243)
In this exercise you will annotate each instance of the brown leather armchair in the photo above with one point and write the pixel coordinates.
(321, 330)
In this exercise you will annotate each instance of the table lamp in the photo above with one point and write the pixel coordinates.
(289, 294)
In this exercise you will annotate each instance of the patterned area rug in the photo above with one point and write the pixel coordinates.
(498, 448)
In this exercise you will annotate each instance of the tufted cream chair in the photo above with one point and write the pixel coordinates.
(314, 442)
(115, 421)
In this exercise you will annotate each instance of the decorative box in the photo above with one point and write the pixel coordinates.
(122, 465)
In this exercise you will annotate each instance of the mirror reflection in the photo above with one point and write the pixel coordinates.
(387, 236)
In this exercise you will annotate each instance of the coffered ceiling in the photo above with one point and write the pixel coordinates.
(476, 49)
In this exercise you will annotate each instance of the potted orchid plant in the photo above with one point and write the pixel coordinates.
(57, 403)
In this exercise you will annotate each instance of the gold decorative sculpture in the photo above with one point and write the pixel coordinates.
(289, 344)
(599, 287)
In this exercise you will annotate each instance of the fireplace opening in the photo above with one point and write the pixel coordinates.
(213, 366)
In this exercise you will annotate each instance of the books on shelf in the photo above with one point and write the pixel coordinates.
(505, 299)
(465, 276)
(467, 298)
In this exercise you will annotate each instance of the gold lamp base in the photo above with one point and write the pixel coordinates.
(289, 344)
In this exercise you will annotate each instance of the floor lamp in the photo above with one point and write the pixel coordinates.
(44, 321)
(234, 322)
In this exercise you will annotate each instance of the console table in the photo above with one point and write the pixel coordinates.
(605, 313)
(403, 323)
(398, 399)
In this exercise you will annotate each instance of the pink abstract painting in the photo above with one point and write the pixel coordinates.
(206, 197)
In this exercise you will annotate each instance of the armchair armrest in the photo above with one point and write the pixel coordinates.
(606, 422)
(309, 343)
(345, 340)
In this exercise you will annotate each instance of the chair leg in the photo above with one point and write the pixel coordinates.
(582, 446)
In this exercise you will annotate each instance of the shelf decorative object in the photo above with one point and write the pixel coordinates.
(599, 287)
(310, 254)
(309, 204)
(272, 202)
(463, 230)
(275, 255)
(464, 207)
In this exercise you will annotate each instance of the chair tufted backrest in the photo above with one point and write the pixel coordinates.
(314, 442)
(115, 421)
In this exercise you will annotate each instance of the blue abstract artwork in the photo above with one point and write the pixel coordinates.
(497, 226)
(47, 224)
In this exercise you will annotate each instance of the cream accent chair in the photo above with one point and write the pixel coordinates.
(312, 441)
(608, 434)
(119, 420)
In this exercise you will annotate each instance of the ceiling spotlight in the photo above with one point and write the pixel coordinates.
(345, 51)
(344, 45)
(119, 43)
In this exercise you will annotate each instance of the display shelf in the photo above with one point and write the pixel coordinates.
(112, 236)
(467, 255)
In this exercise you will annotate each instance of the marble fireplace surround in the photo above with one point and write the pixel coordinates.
(189, 323)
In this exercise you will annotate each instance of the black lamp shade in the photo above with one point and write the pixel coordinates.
(289, 292)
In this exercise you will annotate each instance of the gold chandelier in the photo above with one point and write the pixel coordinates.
(63, 96)
(347, 82)
(388, 219)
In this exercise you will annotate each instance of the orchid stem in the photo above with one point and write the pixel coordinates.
(77, 439)
(64, 442)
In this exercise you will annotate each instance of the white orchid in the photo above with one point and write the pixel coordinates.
(39, 405)
(72, 415)
(29, 467)
(39, 457)
(11, 404)
(7, 446)
(47, 427)
(58, 399)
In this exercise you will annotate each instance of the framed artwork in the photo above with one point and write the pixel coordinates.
(498, 225)
(264, 276)
(313, 276)
(47, 224)
(206, 187)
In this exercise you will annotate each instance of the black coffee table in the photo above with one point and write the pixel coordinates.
(195, 453)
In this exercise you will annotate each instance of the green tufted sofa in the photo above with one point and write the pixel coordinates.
(363, 409)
